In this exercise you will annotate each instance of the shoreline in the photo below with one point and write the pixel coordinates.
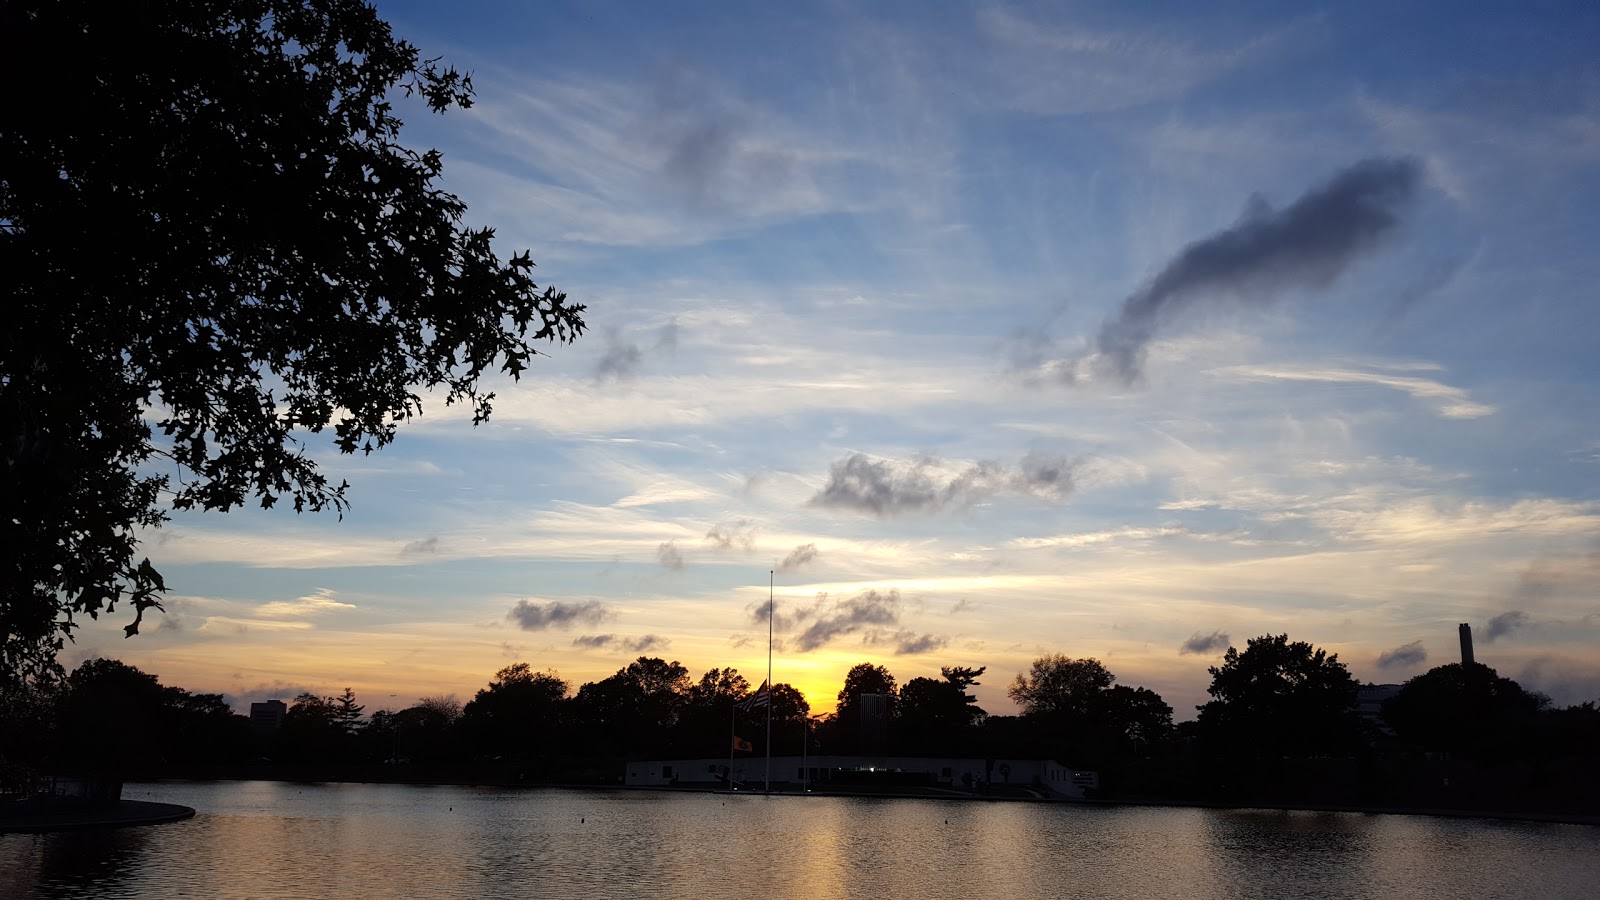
(126, 814)
(1529, 815)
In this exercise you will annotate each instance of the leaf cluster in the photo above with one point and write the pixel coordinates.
(215, 246)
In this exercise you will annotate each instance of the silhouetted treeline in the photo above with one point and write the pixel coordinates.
(1282, 727)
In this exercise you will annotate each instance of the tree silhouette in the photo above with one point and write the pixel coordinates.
(1463, 708)
(215, 246)
(937, 714)
(1075, 711)
(634, 712)
(1279, 698)
(1058, 685)
(115, 719)
(517, 715)
(845, 733)
(866, 678)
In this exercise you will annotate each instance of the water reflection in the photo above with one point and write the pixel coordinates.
(278, 840)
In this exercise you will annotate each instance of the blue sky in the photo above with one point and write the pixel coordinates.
(1124, 331)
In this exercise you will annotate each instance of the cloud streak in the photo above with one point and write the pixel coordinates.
(1308, 244)
(1450, 402)
(322, 601)
(641, 644)
(739, 535)
(799, 556)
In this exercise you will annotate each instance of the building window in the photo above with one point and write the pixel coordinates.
(666, 771)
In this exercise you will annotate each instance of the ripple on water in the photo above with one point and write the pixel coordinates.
(271, 839)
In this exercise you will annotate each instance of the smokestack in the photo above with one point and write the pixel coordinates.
(1466, 644)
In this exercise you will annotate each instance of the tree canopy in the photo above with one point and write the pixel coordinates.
(1280, 698)
(216, 246)
(1461, 708)
(1074, 709)
(1056, 684)
(866, 678)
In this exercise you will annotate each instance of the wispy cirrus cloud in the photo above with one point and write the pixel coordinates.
(318, 603)
(1067, 67)
(1449, 402)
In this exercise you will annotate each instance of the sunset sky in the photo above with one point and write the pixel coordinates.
(997, 330)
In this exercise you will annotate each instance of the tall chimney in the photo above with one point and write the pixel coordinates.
(1466, 644)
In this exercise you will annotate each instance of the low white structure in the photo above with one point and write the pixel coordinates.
(1046, 777)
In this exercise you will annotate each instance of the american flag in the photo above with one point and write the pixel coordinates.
(762, 697)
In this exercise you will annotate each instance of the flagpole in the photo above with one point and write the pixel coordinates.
(771, 580)
(805, 751)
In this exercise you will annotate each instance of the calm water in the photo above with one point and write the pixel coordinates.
(266, 839)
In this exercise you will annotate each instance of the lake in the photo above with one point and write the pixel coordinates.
(279, 839)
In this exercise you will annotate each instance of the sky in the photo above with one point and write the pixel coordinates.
(990, 331)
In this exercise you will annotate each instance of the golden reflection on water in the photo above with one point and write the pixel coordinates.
(262, 839)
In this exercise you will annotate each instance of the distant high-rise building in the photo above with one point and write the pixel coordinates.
(874, 723)
(1466, 644)
(267, 716)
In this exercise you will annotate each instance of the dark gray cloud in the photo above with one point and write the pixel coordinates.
(887, 488)
(740, 534)
(1558, 575)
(426, 545)
(1566, 682)
(619, 361)
(909, 643)
(798, 557)
(640, 644)
(712, 157)
(1504, 624)
(531, 616)
(784, 620)
(670, 557)
(863, 484)
(1403, 657)
(1431, 281)
(1045, 475)
(1308, 244)
(667, 337)
(1201, 644)
(844, 617)
(759, 615)
(621, 358)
